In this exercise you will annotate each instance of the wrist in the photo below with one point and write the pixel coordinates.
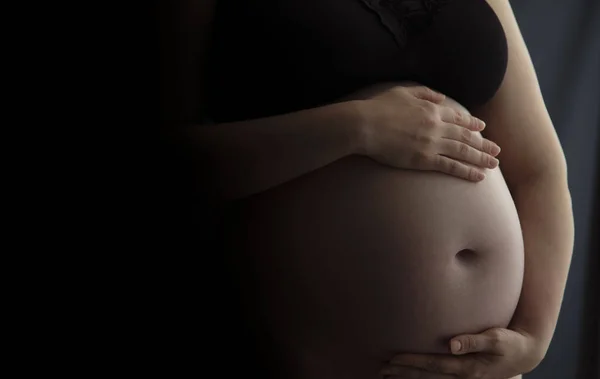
(537, 346)
(359, 127)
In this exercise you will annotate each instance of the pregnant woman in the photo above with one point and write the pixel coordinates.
(357, 142)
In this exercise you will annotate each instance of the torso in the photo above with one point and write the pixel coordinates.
(361, 261)
(355, 262)
(276, 56)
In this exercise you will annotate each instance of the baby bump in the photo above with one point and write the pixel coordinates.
(361, 260)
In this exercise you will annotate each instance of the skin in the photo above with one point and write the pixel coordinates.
(379, 241)
(535, 170)
(267, 150)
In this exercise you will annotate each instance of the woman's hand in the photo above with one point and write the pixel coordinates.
(494, 354)
(418, 128)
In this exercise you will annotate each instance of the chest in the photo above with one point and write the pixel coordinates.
(324, 48)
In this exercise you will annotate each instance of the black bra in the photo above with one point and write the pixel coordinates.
(270, 57)
(405, 18)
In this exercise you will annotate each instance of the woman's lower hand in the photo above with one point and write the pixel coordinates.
(494, 354)
(416, 128)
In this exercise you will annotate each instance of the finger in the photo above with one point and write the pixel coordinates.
(471, 138)
(456, 168)
(492, 341)
(465, 153)
(425, 93)
(461, 118)
(439, 364)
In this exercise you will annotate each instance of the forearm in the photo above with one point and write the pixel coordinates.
(240, 159)
(544, 207)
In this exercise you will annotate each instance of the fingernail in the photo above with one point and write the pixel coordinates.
(495, 150)
(455, 346)
(479, 176)
(494, 163)
(481, 124)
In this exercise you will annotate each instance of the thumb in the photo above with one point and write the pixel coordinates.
(486, 342)
(425, 93)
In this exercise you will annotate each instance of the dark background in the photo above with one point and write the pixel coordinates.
(564, 41)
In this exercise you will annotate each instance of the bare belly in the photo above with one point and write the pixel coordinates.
(356, 262)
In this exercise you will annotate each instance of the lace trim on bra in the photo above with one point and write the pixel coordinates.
(405, 18)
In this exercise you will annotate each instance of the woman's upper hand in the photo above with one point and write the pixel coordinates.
(418, 128)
